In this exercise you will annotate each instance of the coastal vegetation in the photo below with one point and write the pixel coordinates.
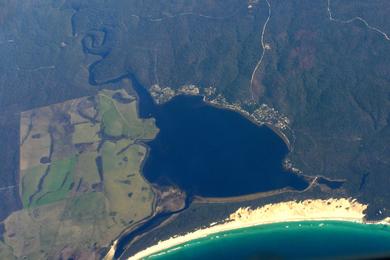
(80, 174)
(327, 79)
(307, 210)
(319, 69)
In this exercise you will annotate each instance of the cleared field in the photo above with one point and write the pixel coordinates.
(6, 252)
(78, 198)
(120, 119)
(129, 196)
(33, 230)
(57, 183)
(112, 122)
(86, 133)
(86, 172)
(35, 144)
(30, 181)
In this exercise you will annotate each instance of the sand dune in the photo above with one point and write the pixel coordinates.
(344, 209)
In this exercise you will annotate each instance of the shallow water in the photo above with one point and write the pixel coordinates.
(294, 240)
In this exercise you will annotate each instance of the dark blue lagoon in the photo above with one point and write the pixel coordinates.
(213, 152)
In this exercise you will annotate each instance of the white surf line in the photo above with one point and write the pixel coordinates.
(357, 18)
(341, 209)
(264, 49)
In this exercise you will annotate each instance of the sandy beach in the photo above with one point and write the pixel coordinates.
(344, 209)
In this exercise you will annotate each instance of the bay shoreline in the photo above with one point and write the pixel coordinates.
(344, 209)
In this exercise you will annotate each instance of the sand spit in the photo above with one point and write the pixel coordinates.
(344, 209)
(111, 252)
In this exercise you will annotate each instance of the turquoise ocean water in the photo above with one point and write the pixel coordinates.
(292, 240)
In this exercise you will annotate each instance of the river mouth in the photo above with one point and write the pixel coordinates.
(212, 152)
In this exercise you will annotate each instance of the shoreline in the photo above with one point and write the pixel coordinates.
(284, 224)
(248, 116)
(240, 198)
(344, 209)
